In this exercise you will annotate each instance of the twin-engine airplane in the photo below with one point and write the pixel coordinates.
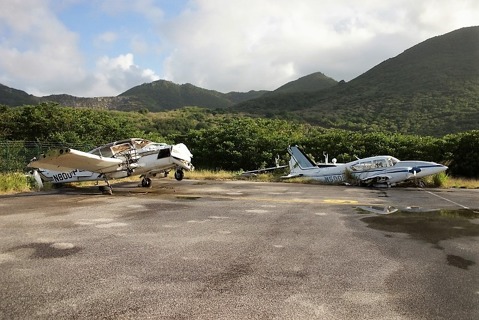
(378, 171)
(115, 160)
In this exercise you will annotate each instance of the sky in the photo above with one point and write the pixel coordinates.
(94, 48)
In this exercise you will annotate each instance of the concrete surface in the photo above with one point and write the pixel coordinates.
(239, 250)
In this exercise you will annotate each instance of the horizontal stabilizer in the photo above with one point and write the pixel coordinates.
(260, 171)
(290, 176)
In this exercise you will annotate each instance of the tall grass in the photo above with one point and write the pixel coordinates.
(439, 180)
(16, 182)
(210, 175)
(462, 183)
(19, 182)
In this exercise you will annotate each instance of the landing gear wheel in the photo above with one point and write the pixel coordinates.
(179, 174)
(146, 182)
(105, 190)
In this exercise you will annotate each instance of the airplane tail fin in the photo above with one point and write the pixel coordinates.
(299, 160)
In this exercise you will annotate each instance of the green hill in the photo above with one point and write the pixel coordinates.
(164, 95)
(431, 88)
(155, 96)
(310, 83)
(13, 97)
(237, 97)
(109, 103)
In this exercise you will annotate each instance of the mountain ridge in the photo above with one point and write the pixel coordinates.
(155, 96)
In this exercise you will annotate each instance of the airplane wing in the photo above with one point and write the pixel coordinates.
(65, 160)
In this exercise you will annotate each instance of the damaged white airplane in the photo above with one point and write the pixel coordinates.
(114, 160)
(373, 171)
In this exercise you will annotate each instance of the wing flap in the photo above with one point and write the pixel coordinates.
(71, 159)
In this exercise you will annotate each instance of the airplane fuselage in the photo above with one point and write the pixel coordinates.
(72, 176)
(376, 170)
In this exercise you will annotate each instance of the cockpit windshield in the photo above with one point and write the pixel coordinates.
(111, 149)
(373, 163)
(140, 143)
(392, 161)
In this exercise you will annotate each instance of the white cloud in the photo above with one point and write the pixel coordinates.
(222, 45)
(116, 75)
(39, 52)
(262, 44)
(41, 56)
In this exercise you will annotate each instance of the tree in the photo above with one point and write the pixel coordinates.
(465, 152)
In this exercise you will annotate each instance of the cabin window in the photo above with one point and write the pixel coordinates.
(120, 148)
(355, 167)
(362, 166)
(164, 153)
(380, 163)
(103, 152)
(140, 143)
(392, 161)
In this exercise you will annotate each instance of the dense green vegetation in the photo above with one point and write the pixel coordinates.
(217, 139)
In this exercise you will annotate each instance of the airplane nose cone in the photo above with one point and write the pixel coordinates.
(181, 151)
(440, 168)
(425, 169)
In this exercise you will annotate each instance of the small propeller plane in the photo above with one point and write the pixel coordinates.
(380, 171)
(114, 160)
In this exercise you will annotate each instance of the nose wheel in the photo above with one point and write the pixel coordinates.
(146, 182)
(179, 174)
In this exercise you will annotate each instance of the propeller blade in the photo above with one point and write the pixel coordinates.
(37, 178)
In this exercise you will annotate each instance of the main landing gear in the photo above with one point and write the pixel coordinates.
(146, 182)
(106, 189)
